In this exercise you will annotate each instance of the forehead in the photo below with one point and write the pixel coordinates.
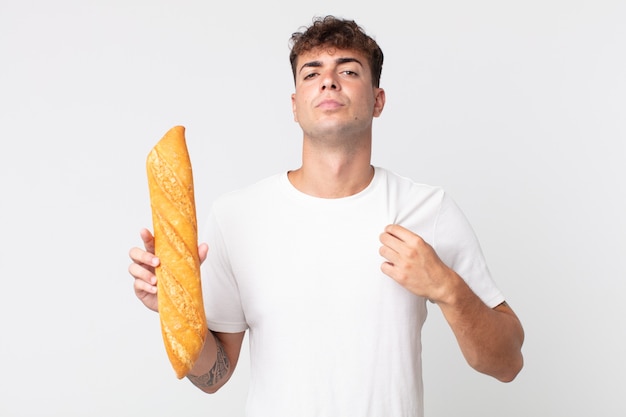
(329, 54)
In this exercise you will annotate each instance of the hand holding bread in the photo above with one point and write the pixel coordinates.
(142, 269)
(180, 304)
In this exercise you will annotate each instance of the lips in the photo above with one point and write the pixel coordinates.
(329, 104)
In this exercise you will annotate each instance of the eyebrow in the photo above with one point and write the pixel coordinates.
(339, 61)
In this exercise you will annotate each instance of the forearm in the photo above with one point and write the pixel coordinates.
(213, 367)
(490, 339)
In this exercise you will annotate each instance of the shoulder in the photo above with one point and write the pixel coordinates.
(402, 187)
(250, 193)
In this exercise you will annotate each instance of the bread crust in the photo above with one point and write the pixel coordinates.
(181, 308)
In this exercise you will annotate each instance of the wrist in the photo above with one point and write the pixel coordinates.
(453, 291)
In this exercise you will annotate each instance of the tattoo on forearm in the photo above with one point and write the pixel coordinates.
(219, 370)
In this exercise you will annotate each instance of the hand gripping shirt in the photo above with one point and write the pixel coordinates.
(330, 334)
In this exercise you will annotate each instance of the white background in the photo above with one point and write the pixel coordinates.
(517, 108)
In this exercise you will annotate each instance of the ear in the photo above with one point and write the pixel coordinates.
(293, 107)
(379, 103)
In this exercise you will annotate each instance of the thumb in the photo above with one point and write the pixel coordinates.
(203, 250)
(148, 239)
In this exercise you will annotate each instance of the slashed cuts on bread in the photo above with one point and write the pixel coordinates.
(181, 308)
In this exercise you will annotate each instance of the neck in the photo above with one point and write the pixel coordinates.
(333, 173)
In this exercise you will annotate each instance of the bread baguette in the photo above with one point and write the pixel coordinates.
(181, 309)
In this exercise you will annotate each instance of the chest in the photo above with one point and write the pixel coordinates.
(321, 268)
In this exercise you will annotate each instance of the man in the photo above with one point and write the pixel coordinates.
(330, 266)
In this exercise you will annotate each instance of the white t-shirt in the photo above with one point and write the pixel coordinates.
(330, 334)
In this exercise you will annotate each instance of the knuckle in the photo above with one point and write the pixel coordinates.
(402, 277)
(413, 253)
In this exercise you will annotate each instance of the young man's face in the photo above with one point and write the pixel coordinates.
(334, 94)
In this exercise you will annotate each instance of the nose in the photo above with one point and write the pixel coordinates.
(329, 82)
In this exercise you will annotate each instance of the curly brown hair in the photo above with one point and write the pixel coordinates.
(338, 33)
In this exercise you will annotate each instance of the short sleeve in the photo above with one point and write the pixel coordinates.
(222, 302)
(456, 244)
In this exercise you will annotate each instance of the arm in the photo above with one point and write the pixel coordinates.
(220, 353)
(490, 339)
(217, 361)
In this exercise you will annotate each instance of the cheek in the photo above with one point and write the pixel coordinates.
(298, 111)
(300, 108)
(375, 107)
(367, 106)
(294, 108)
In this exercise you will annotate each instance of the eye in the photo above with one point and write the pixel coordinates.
(310, 76)
(350, 73)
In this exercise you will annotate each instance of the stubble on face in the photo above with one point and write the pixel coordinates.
(334, 99)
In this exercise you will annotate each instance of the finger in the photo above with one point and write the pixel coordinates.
(407, 242)
(388, 269)
(392, 256)
(400, 232)
(203, 251)
(143, 257)
(143, 274)
(392, 242)
(142, 287)
(148, 240)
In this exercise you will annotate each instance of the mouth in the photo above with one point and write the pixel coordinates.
(329, 104)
